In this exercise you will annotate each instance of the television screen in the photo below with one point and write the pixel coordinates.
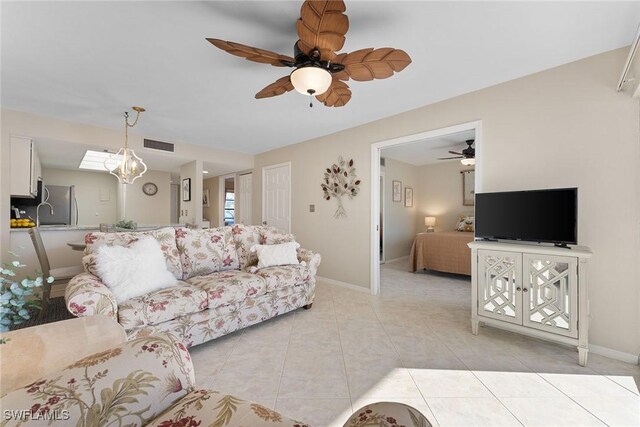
(535, 215)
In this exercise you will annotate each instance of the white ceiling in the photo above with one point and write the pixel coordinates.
(428, 151)
(89, 61)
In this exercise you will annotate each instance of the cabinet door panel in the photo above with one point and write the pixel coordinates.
(551, 297)
(499, 277)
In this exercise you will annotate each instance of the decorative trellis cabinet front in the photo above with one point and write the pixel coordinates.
(532, 289)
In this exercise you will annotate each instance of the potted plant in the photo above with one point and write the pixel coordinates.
(19, 299)
(125, 225)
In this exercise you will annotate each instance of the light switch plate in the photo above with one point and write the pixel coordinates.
(312, 208)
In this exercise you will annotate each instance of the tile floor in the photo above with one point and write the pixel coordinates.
(413, 344)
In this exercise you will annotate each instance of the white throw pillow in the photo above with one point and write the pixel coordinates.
(135, 270)
(272, 255)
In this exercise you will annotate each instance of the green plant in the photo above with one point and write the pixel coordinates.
(18, 298)
(129, 225)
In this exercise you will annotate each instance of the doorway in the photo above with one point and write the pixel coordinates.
(227, 211)
(407, 195)
(276, 196)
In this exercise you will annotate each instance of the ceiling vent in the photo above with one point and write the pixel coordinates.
(159, 145)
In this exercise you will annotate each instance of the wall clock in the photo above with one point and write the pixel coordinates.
(149, 188)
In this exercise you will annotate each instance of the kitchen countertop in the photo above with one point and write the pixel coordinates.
(89, 227)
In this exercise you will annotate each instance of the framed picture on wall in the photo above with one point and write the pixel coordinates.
(205, 198)
(468, 188)
(408, 197)
(397, 191)
(186, 190)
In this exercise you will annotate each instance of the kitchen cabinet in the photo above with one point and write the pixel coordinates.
(26, 169)
(531, 289)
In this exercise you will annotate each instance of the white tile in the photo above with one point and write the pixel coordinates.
(549, 411)
(394, 383)
(314, 387)
(445, 383)
(316, 412)
(469, 412)
(248, 386)
(627, 381)
(313, 365)
(614, 411)
(517, 384)
(586, 385)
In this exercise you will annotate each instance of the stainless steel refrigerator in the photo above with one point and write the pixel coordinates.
(65, 206)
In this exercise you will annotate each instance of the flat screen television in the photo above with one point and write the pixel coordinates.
(549, 216)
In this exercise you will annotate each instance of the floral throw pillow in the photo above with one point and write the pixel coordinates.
(466, 223)
(206, 251)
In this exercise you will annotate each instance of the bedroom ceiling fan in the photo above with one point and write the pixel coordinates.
(467, 156)
(318, 70)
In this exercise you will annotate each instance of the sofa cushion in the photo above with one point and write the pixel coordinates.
(165, 236)
(281, 276)
(226, 287)
(212, 408)
(273, 236)
(206, 251)
(160, 306)
(246, 236)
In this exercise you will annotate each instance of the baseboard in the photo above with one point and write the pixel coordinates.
(397, 259)
(344, 284)
(58, 290)
(613, 354)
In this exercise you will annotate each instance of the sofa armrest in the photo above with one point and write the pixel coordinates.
(312, 260)
(86, 295)
(130, 384)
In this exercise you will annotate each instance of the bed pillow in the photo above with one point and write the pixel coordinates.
(135, 270)
(281, 254)
(466, 223)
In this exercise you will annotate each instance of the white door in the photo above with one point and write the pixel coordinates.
(276, 196)
(243, 201)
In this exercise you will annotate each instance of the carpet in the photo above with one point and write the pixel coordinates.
(56, 312)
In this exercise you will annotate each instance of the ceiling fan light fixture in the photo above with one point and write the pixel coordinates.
(468, 161)
(311, 81)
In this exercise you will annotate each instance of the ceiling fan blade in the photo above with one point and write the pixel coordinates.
(280, 86)
(322, 25)
(449, 158)
(455, 152)
(337, 95)
(368, 64)
(253, 53)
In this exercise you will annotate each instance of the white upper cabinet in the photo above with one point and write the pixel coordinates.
(25, 167)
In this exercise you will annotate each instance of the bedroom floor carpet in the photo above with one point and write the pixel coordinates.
(413, 344)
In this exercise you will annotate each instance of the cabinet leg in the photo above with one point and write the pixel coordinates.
(582, 356)
(474, 326)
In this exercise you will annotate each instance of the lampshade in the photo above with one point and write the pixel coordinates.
(429, 221)
(468, 161)
(311, 80)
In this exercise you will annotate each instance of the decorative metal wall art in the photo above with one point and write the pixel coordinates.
(340, 181)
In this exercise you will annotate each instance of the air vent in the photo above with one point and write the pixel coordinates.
(159, 145)
(382, 161)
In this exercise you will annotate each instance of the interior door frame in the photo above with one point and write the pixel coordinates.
(383, 194)
(221, 196)
(264, 170)
(374, 259)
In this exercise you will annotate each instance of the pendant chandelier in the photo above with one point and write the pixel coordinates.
(130, 167)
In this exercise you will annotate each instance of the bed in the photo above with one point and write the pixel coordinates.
(445, 251)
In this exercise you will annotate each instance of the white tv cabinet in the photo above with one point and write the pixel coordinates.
(532, 289)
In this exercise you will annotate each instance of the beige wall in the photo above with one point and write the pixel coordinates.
(212, 213)
(89, 186)
(563, 127)
(440, 191)
(149, 210)
(191, 211)
(399, 221)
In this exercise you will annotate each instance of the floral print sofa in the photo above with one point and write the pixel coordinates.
(220, 289)
(148, 381)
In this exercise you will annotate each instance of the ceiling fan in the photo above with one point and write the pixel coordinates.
(318, 70)
(467, 156)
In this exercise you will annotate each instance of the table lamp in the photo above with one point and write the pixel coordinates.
(430, 222)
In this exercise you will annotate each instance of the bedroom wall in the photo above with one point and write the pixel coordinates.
(563, 127)
(440, 189)
(399, 228)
